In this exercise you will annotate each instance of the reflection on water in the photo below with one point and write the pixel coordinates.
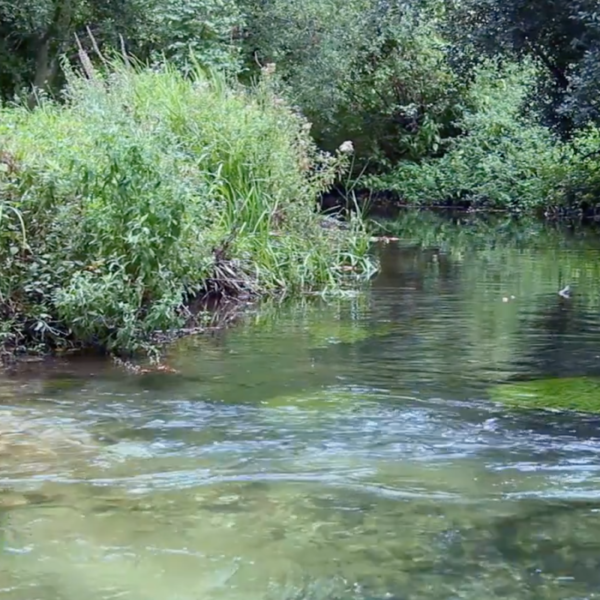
(338, 451)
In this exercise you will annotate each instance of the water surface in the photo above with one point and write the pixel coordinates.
(327, 450)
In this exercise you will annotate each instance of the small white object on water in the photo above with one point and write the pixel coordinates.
(490, 424)
(565, 292)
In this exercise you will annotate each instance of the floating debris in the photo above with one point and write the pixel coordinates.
(565, 292)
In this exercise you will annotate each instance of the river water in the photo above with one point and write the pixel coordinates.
(344, 449)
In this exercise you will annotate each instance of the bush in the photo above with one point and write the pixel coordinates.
(177, 28)
(145, 189)
(370, 71)
(562, 35)
(579, 185)
(503, 157)
(35, 33)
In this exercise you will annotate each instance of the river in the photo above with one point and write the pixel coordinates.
(345, 449)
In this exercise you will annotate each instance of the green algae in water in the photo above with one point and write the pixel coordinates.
(569, 393)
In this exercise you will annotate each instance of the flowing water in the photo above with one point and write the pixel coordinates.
(327, 450)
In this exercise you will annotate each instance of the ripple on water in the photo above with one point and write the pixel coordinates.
(343, 451)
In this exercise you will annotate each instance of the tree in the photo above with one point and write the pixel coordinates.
(34, 34)
(561, 35)
(373, 71)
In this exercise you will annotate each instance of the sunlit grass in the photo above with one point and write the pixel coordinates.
(146, 189)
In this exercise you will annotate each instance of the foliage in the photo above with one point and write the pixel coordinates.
(146, 189)
(582, 103)
(484, 102)
(34, 34)
(204, 28)
(563, 36)
(540, 79)
(503, 157)
(373, 72)
(579, 183)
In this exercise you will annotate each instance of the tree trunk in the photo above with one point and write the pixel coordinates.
(48, 49)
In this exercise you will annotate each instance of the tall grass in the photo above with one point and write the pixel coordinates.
(145, 189)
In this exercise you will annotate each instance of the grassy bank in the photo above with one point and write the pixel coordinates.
(143, 191)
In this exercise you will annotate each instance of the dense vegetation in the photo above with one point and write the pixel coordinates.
(446, 101)
(145, 190)
(125, 190)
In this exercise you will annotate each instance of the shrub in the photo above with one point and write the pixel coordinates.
(35, 33)
(177, 28)
(562, 35)
(579, 185)
(370, 71)
(503, 157)
(145, 189)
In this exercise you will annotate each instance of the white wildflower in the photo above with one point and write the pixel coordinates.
(347, 147)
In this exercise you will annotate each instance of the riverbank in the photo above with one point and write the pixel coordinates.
(145, 195)
(389, 204)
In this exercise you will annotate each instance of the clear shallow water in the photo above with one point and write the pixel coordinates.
(334, 451)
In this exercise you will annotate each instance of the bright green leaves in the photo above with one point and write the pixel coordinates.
(146, 187)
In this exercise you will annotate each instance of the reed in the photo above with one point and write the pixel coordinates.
(144, 189)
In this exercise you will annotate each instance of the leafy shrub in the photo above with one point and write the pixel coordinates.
(176, 29)
(147, 188)
(370, 71)
(34, 34)
(579, 185)
(502, 158)
(562, 35)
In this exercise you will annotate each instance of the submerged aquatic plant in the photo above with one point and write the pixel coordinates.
(568, 393)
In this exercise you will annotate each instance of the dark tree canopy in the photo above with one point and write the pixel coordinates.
(562, 35)
(35, 34)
